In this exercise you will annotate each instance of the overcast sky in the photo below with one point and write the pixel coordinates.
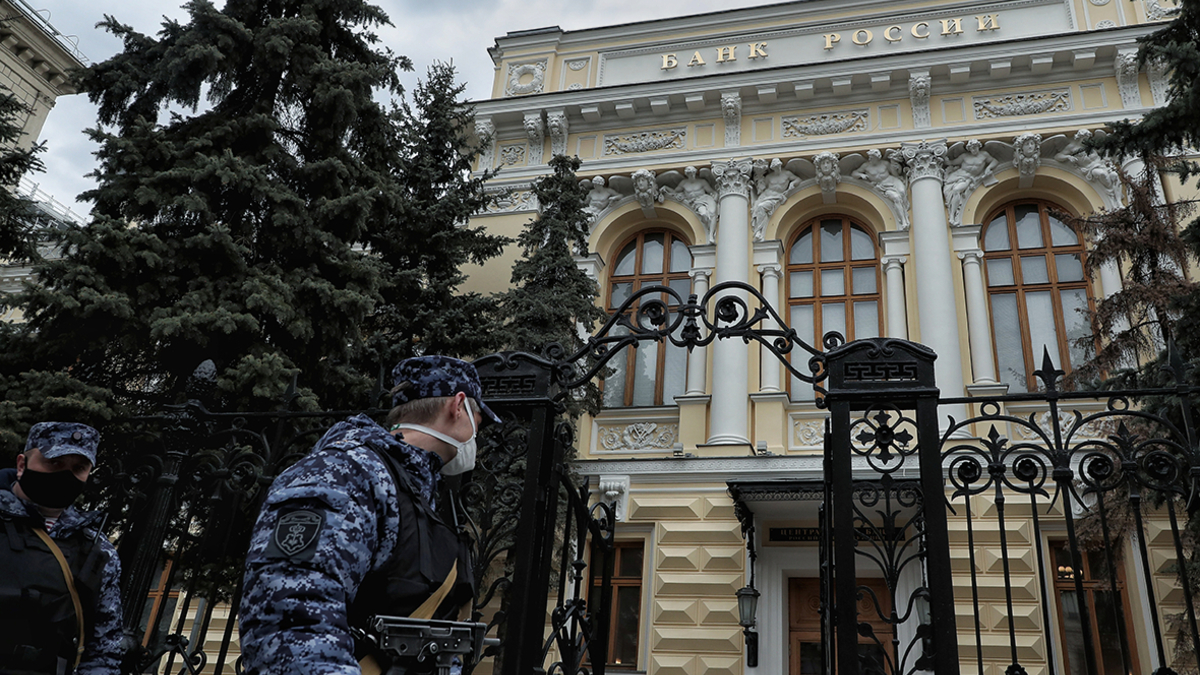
(423, 30)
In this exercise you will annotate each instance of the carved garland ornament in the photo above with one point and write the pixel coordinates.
(1030, 103)
(518, 71)
(646, 141)
(511, 155)
(513, 201)
(827, 123)
(639, 436)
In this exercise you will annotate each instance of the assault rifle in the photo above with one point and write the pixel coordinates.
(429, 641)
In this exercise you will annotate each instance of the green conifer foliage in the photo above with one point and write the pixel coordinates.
(253, 208)
(551, 297)
(18, 232)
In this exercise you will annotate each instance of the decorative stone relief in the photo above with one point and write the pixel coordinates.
(885, 178)
(486, 132)
(1028, 103)
(646, 141)
(599, 196)
(1094, 169)
(1107, 23)
(966, 172)
(557, 121)
(926, 159)
(577, 64)
(1027, 156)
(1156, 12)
(1126, 66)
(575, 87)
(535, 70)
(511, 155)
(829, 174)
(512, 201)
(827, 123)
(1156, 72)
(639, 436)
(646, 191)
(731, 108)
(1100, 3)
(614, 491)
(809, 433)
(699, 196)
(733, 177)
(535, 129)
(772, 184)
(919, 86)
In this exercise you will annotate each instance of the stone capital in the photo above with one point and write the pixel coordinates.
(926, 159)
(697, 273)
(971, 256)
(733, 177)
(770, 270)
(893, 262)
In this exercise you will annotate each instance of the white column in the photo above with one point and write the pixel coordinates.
(937, 308)
(729, 415)
(769, 368)
(979, 328)
(897, 311)
(698, 359)
(896, 249)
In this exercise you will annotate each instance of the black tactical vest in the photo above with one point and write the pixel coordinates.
(38, 628)
(426, 548)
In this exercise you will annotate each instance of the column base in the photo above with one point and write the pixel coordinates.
(728, 439)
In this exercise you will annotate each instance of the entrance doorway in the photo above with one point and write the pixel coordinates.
(805, 652)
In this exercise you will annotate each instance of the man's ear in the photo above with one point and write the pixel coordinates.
(20, 464)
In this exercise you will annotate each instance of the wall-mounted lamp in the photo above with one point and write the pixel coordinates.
(747, 598)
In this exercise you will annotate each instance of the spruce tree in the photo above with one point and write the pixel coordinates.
(250, 187)
(551, 298)
(19, 233)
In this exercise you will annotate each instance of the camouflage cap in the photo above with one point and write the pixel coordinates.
(430, 376)
(55, 439)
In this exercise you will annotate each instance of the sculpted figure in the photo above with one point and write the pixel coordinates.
(971, 168)
(1093, 167)
(645, 188)
(699, 196)
(885, 177)
(772, 189)
(600, 197)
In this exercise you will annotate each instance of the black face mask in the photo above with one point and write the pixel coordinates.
(52, 490)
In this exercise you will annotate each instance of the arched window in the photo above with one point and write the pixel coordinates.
(651, 373)
(833, 284)
(1037, 290)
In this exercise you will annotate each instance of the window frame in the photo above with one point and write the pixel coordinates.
(1091, 586)
(1020, 289)
(639, 280)
(619, 582)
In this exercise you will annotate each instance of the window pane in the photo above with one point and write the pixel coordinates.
(866, 320)
(674, 374)
(1074, 304)
(802, 323)
(625, 261)
(681, 257)
(833, 317)
(802, 250)
(1042, 331)
(831, 241)
(1029, 226)
(1107, 606)
(681, 286)
(864, 280)
(652, 254)
(861, 246)
(833, 282)
(812, 658)
(630, 564)
(644, 372)
(1073, 631)
(1000, 272)
(620, 293)
(1033, 270)
(614, 385)
(1070, 268)
(1006, 329)
(625, 642)
(1061, 234)
(996, 238)
(801, 285)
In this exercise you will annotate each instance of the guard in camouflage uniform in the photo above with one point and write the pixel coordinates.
(52, 623)
(357, 529)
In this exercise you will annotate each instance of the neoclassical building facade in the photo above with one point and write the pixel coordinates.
(876, 168)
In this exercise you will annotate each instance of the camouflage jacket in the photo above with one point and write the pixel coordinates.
(102, 649)
(328, 521)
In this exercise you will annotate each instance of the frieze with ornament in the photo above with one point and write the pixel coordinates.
(512, 202)
(825, 124)
(1027, 103)
(511, 155)
(639, 436)
(646, 141)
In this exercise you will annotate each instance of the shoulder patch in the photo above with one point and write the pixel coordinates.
(296, 535)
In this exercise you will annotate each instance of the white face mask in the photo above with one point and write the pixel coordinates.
(464, 461)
